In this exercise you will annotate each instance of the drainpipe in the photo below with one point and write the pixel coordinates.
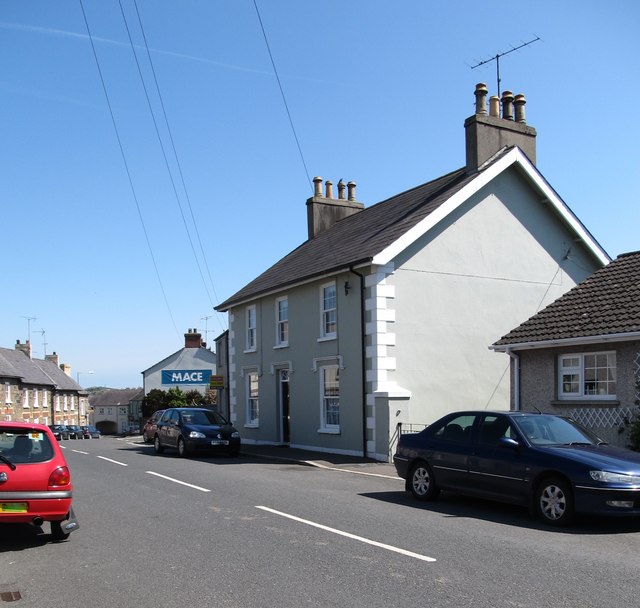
(363, 348)
(516, 379)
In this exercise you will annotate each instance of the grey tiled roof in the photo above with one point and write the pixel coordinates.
(58, 377)
(604, 304)
(355, 239)
(114, 396)
(15, 364)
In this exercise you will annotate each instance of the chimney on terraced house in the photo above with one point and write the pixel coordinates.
(487, 133)
(323, 211)
(24, 348)
(193, 339)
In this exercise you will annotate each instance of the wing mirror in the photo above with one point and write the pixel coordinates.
(508, 442)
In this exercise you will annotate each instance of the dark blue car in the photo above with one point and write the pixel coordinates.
(192, 430)
(548, 463)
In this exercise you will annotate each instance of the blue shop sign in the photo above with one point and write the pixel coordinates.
(186, 376)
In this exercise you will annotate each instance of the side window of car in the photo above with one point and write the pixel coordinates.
(457, 429)
(492, 428)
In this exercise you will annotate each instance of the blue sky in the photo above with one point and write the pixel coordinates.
(116, 261)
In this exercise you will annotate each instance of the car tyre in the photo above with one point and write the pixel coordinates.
(421, 482)
(157, 446)
(145, 437)
(57, 532)
(182, 448)
(554, 502)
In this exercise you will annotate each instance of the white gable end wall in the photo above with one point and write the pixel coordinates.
(492, 261)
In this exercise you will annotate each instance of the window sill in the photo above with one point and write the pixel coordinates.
(327, 338)
(329, 431)
(583, 401)
(249, 350)
(280, 346)
(252, 425)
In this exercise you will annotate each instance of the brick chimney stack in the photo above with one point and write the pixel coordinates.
(24, 348)
(53, 358)
(324, 211)
(487, 133)
(193, 339)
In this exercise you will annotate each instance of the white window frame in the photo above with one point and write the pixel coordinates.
(329, 423)
(252, 398)
(57, 400)
(282, 321)
(65, 402)
(580, 376)
(25, 400)
(251, 333)
(7, 394)
(328, 314)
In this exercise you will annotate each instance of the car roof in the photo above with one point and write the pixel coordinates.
(23, 425)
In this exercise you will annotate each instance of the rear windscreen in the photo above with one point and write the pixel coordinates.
(25, 447)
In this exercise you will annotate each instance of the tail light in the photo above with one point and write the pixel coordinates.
(60, 477)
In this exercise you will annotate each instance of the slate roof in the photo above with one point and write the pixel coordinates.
(605, 304)
(114, 396)
(355, 239)
(61, 380)
(15, 364)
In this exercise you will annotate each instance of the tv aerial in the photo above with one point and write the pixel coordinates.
(498, 55)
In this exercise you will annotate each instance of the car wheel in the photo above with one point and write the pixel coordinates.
(554, 502)
(421, 482)
(57, 532)
(145, 437)
(157, 446)
(182, 448)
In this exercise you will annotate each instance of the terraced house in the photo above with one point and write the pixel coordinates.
(383, 317)
(39, 390)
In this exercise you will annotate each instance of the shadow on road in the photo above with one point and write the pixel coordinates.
(452, 505)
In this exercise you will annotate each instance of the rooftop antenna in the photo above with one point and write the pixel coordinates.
(206, 324)
(497, 58)
(29, 319)
(42, 332)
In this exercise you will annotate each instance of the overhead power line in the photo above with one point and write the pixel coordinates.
(126, 166)
(284, 99)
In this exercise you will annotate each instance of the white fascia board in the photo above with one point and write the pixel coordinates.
(513, 157)
(581, 341)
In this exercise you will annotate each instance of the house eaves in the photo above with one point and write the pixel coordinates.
(514, 157)
(567, 342)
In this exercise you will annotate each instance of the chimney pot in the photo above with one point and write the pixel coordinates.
(507, 105)
(494, 106)
(481, 98)
(317, 186)
(352, 191)
(341, 188)
(328, 189)
(519, 103)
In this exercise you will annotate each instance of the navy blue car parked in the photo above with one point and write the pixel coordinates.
(548, 463)
(190, 430)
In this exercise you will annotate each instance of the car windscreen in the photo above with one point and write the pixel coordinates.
(25, 447)
(541, 429)
(202, 417)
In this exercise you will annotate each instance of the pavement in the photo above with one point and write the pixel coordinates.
(353, 464)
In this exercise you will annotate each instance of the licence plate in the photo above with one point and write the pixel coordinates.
(219, 442)
(14, 507)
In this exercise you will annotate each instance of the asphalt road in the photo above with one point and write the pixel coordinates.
(162, 531)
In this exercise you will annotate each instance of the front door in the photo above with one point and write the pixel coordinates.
(284, 405)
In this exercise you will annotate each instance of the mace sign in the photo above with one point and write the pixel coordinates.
(186, 376)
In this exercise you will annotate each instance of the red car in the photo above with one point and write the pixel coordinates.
(35, 483)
